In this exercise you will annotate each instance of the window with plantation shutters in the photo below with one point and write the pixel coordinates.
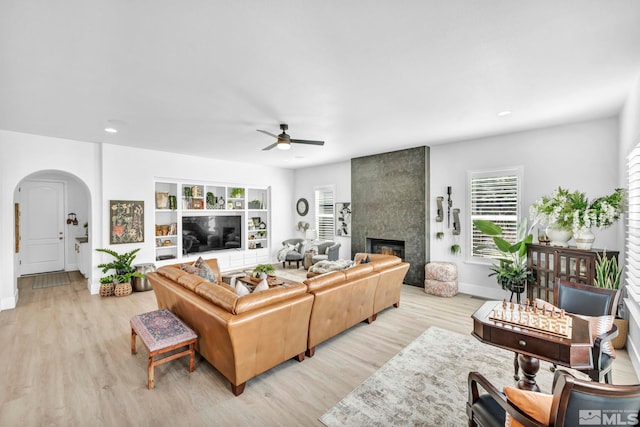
(324, 213)
(495, 196)
(632, 258)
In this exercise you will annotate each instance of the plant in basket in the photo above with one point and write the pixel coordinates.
(120, 280)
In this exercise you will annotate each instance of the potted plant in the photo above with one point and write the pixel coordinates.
(608, 275)
(255, 204)
(511, 269)
(120, 280)
(261, 271)
(236, 193)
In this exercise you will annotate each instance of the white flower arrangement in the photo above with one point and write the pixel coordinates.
(572, 211)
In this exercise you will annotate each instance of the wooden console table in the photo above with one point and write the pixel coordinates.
(548, 263)
(532, 345)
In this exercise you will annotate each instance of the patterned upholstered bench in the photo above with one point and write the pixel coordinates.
(441, 279)
(161, 331)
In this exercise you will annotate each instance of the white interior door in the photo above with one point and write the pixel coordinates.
(42, 223)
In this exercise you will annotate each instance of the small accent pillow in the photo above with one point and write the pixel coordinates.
(262, 286)
(536, 405)
(241, 289)
(189, 268)
(365, 260)
(208, 272)
(232, 282)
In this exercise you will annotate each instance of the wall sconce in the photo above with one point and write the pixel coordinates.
(440, 211)
(72, 219)
(456, 222)
(450, 205)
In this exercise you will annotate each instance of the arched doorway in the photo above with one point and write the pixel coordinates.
(52, 228)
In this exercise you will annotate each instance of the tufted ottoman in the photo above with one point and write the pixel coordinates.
(441, 279)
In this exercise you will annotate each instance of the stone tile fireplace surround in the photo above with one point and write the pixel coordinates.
(389, 201)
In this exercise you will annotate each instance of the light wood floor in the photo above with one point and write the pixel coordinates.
(65, 360)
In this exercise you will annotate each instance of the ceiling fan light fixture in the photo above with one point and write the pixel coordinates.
(283, 145)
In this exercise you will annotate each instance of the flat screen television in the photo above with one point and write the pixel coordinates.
(211, 233)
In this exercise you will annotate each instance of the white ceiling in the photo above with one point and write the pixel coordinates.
(365, 76)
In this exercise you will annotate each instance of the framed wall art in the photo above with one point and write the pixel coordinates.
(126, 223)
(343, 219)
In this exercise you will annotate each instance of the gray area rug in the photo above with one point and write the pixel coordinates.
(426, 383)
(49, 280)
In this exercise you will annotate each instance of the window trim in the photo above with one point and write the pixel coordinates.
(518, 171)
(326, 188)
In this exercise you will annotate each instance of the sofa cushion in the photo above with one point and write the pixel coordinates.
(535, 404)
(171, 272)
(218, 295)
(191, 281)
(382, 262)
(270, 296)
(358, 271)
(324, 280)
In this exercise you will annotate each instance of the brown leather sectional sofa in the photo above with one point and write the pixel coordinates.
(243, 337)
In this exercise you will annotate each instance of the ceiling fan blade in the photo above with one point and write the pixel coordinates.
(270, 147)
(268, 133)
(306, 141)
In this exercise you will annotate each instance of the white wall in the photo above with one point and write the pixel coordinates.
(23, 155)
(581, 156)
(113, 172)
(335, 174)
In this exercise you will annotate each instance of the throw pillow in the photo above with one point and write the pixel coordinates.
(208, 272)
(232, 282)
(241, 289)
(600, 325)
(365, 260)
(189, 268)
(262, 286)
(536, 405)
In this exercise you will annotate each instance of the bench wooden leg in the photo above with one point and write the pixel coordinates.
(300, 357)
(133, 341)
(192, 356)
(150, 382)
(310, 351)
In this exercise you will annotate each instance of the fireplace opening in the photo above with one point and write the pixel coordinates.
(386, 247)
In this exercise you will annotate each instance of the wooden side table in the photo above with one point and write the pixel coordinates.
(161, 331)
(308, 259)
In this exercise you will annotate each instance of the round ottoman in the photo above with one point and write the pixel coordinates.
(441, 279)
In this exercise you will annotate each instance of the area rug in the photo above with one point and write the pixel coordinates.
(51, 279)
(426, 383)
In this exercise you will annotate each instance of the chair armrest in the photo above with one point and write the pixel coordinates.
(476, 379)
(598, 343)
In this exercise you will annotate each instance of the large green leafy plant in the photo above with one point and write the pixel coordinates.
(511, 268)
(121, 264)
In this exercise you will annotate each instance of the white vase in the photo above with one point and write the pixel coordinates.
(584, 238)
(558, 236)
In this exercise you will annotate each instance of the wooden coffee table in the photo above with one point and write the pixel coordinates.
(272, 281)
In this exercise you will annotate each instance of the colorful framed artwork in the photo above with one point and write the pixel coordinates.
(126, 224)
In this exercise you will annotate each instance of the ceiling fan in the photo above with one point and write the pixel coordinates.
(284, 141)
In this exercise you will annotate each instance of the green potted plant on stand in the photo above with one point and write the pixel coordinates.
(608, 275)
(511, 269)
(118, 283)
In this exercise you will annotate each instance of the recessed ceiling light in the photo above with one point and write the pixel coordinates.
(504, 113)
(111, 130)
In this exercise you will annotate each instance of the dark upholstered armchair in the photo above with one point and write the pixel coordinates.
(572, 398)
(327, 251)
(588, 300)
(296, 254)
